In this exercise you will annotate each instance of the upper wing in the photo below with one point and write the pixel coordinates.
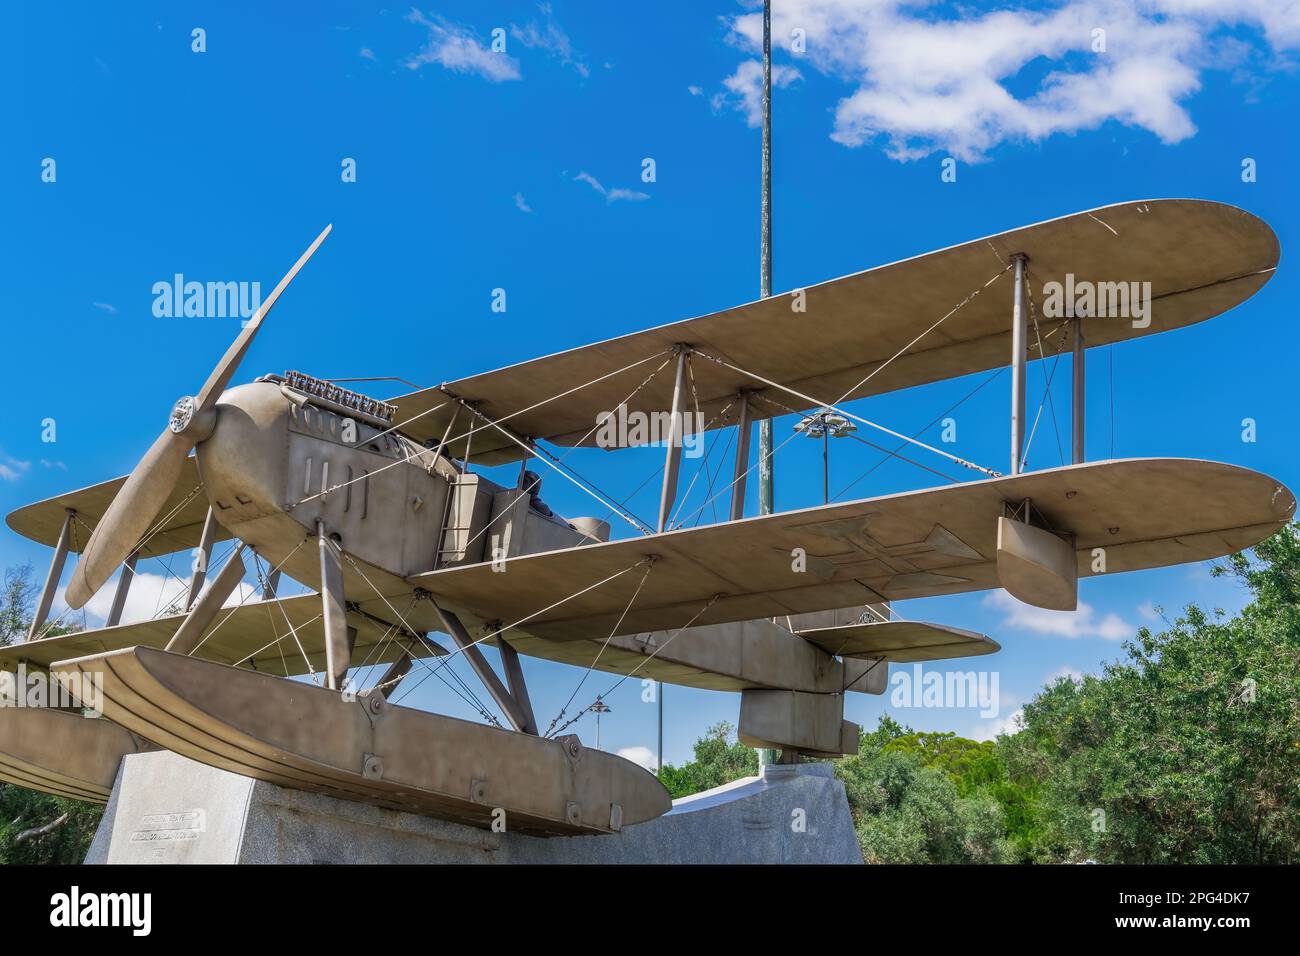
(1145, 513)
(1201, 259)
(262, 635)
(184, 513)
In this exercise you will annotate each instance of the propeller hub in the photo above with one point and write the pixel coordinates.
(182, 414)
(189, 420)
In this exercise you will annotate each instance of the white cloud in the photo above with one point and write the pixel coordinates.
(522, 204)
(695, 90)
(147, 598)
(631, 195)
(551, 38)
(11, 469)
(611, 195)
(1066, 670)
(457, 48)
(148, 594)
(367, 53)
(47, 463)
(922, 84)
(1083, 622)
(643, 756)
(1148, 611)
(991, 729)
(106, 306)
(743, 90)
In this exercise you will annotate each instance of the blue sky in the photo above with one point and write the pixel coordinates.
(480, 170)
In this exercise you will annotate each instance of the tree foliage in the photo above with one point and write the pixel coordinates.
(923, 797)
(719, 759)
(26, 810)
(1189, 750)
(16, 595)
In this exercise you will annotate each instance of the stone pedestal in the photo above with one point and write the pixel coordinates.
(168, 809)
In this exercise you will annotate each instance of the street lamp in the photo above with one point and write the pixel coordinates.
(598, 708)
(826, 424)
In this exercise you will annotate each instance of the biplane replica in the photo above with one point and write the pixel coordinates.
(375, 506)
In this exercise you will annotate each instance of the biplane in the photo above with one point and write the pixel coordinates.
(377, 507)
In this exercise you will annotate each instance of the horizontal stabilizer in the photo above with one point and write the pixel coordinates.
(902, 642)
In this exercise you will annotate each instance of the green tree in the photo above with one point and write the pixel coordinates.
(40, 828)
(916, 798)
(1188, 751)
(719, 759)
(16, 596)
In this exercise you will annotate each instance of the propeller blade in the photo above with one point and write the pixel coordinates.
(133, 510)
(146, 490)
(225, 370)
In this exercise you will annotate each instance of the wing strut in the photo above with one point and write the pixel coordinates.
(204, 556)
(741, 471)
(124, 580)
(514, 701)
(673, 446)
(338, 642)
(1076, 433)
(52, 578)
(189, 635)
(1019, 355)
(395, 673)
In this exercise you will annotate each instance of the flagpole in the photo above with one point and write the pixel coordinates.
(766, 499)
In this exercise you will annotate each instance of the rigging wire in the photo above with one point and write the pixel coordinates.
(563, 473)
(757, 464)
(489, 422)
(709, 477)
(524, 620)
(627, 398)
(952, 408)
(717, 475)
(859, 438)
(644, 661)
(943, 319)
(1047, 390)
(242, 601)
(596, 660)
(472, 699)
(858, 418)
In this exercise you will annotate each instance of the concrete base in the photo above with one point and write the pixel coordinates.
(166, 808)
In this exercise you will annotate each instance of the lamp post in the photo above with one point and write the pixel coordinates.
(826, 424)
(598, 708)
